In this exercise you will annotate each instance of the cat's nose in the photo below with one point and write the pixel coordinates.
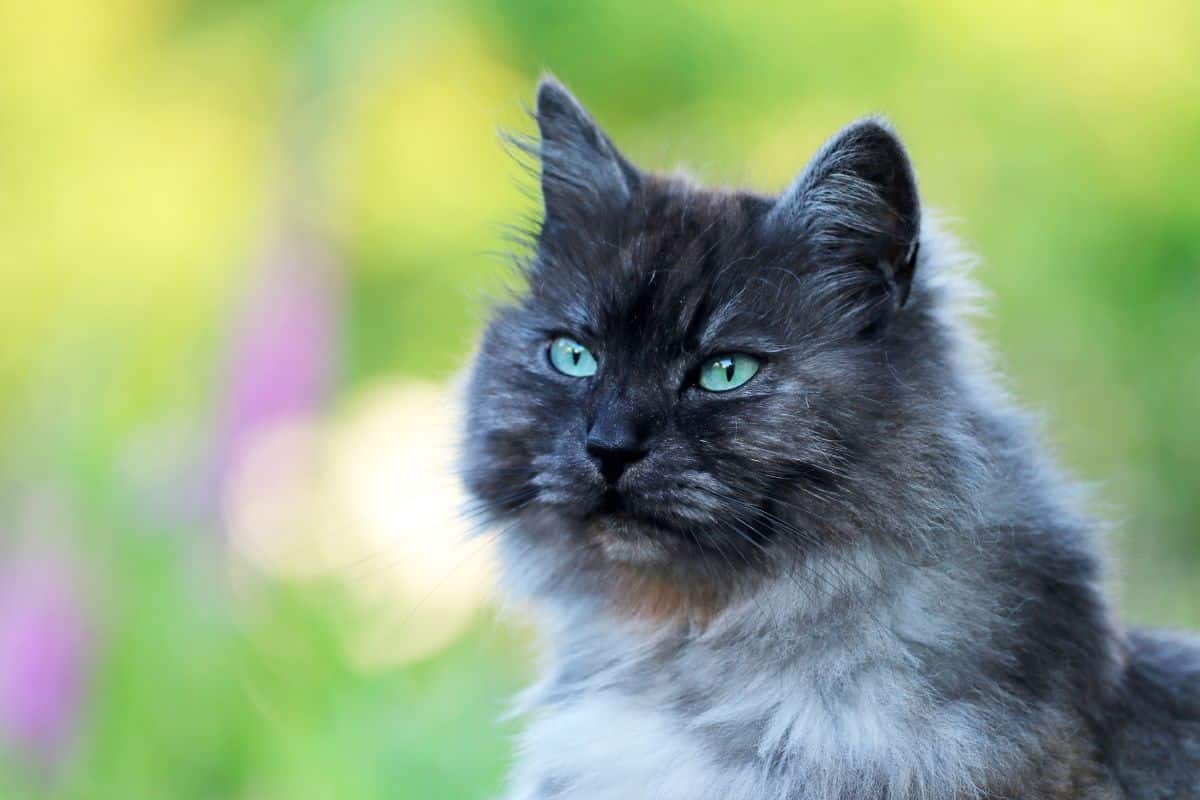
(615, 442)
(613, 456)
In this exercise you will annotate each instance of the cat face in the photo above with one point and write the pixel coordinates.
(692, 373)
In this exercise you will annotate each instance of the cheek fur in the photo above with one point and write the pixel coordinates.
(525, 428)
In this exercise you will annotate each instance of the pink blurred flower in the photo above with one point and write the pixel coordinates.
(46, 653)
(283, 350)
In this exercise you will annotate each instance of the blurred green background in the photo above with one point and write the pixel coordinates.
(245, 247)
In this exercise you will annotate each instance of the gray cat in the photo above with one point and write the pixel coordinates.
(787, 537)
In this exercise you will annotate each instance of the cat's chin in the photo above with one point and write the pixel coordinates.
(629, 541)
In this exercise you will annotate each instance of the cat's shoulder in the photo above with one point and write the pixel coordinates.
(1154, 726)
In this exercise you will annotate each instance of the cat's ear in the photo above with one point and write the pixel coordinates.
(856, 208)
(582, 173)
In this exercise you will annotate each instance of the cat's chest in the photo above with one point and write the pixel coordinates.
(834, 724)
(611, 745)
(748, 735)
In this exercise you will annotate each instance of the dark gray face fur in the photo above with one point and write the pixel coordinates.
(654, 276)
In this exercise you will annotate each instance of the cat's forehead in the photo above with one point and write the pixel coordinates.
(685, 263)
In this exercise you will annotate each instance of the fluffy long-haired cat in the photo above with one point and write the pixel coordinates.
(787, 538)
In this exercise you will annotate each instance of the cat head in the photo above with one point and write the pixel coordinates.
(699, 379)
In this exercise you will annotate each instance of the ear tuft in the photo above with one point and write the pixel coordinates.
(856, 206)
(559, 114)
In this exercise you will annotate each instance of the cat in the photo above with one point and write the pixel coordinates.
(783, 532)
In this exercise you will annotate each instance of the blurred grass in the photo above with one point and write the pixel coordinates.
(148, 149)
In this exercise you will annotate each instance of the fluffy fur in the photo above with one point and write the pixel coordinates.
(853, 577)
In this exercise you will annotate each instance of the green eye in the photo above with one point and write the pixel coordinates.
(571, 358)
(727, 372)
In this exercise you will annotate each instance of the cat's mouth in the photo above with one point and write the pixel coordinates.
(628, 540)
(627, 536)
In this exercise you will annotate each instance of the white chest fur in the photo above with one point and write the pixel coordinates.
(812, 714)
(613, 745)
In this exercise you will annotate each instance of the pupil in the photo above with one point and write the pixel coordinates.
(729, 370)
(575, 355)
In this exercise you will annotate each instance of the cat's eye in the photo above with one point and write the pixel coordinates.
(571, 358)
(722, 373)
